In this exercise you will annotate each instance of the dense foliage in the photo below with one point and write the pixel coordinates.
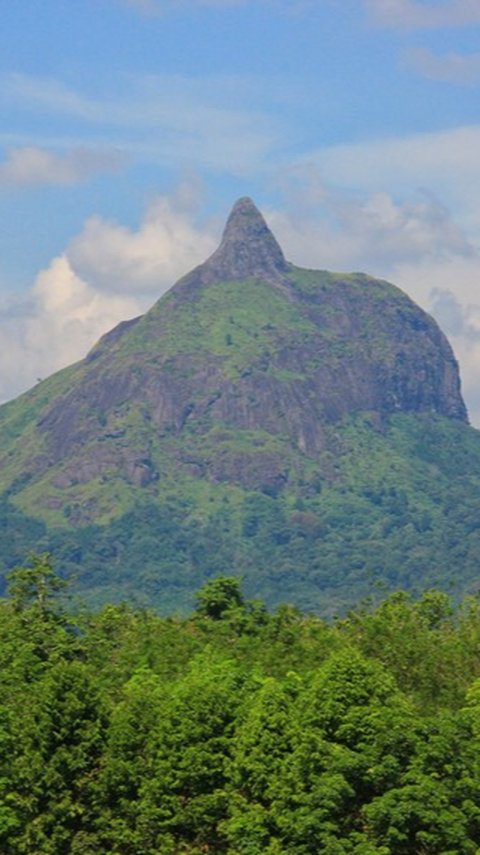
(236, 730)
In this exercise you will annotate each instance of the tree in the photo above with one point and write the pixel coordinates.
(127, 762)
(183, 804)
(35, 587)
(263, 742)
(56, 743)
(219, 596)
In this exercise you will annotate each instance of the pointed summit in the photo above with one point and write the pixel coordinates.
(248, 249)
(245, 225)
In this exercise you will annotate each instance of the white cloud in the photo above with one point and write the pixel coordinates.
(412, 14)
(448, 68)
(54, 326)
(48, 94)
(116, 259)
(30, 165)
(448, 159)
(329, 227)
(108, 273)
(185, 119)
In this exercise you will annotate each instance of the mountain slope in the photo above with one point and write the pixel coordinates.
(251, 384)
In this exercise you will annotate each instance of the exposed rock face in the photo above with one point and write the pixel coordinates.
(247, 344)
(248, 250)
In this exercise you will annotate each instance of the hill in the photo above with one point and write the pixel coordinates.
(302, 428)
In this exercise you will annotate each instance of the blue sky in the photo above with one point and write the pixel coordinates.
(129, 127)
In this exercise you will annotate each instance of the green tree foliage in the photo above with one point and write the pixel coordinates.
(35, 587)
(236, 730)
(185, 797)
(127, 762)
(219, 596)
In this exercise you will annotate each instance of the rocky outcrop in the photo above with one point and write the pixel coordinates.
(248, 250)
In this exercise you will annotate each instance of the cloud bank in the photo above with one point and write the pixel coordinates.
(410, 14)
(463, 69)
(449, 159)
(221, 122)
(108, 273)
(29, 166)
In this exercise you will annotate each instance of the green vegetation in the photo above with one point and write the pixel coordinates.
(232, 320)
(397, 507)
(224, 429)
(313, 281)
(235, 730)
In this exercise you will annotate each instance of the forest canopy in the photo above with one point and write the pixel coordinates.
(235, 729)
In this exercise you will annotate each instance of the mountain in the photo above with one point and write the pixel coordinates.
(303, 428)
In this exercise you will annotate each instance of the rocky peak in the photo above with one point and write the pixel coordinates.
(248, 250)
